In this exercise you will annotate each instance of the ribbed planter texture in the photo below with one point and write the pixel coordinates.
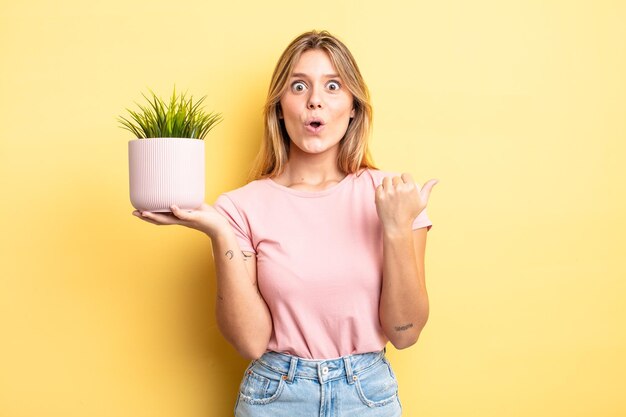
(166, 171)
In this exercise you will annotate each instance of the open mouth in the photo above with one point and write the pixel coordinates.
(314, 125)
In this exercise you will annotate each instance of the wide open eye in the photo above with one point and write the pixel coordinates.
(333, 85)
(298, 87)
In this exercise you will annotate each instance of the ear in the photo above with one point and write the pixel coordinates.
(280, 112)
(352, 113)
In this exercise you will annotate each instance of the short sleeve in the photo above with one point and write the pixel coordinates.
(225, 206)
(422, 220)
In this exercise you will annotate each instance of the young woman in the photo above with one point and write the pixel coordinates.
(320, 258)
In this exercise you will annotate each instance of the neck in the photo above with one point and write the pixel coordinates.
(311, 169)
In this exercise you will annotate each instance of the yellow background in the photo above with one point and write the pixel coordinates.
(517, 107)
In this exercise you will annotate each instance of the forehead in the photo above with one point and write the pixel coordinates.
(314, 62)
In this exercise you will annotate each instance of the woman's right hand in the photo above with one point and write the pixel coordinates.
(244, 319)
(205, 218)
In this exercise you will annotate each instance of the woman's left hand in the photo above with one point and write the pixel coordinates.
(399, 201)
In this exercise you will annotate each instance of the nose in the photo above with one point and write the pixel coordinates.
(315, 101)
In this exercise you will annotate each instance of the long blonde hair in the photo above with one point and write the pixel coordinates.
(353, 147)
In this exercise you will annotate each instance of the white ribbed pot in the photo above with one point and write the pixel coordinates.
(166, 171)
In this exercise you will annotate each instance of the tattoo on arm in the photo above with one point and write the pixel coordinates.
(403, 327)
(246, 256)
(230, 254)
(219, 297)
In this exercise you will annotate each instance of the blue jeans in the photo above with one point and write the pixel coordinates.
(280, 385)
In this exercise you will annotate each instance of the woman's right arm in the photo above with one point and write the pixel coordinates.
(242, 314)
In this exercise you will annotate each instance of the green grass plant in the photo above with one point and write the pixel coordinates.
(180, 118)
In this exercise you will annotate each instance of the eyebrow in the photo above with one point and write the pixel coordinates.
(303, 75)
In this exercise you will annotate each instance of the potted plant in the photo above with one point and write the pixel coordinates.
(166, 161)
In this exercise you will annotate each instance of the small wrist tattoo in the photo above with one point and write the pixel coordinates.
(230, 254)
(403, 327)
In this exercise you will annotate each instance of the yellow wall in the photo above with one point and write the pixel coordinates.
(516, 106)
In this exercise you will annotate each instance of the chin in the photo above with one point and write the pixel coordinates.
(315, 145)
(312, 146)
(316, 148)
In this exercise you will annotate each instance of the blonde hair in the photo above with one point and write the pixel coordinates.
(353, 147)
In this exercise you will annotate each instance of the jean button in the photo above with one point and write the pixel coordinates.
(324, 370)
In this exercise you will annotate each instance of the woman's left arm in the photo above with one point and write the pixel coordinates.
(403, 307)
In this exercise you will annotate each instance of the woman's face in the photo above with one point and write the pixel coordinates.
(316, 107)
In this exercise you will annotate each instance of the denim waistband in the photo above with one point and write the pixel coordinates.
(323, 370)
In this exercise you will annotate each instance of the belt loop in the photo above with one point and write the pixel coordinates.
(292, 369)
(348, 365)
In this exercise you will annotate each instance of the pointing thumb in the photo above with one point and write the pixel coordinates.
(427, 188)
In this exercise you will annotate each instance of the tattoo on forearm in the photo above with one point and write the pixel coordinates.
(403, 327)
(246, 256)
(229, 254)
